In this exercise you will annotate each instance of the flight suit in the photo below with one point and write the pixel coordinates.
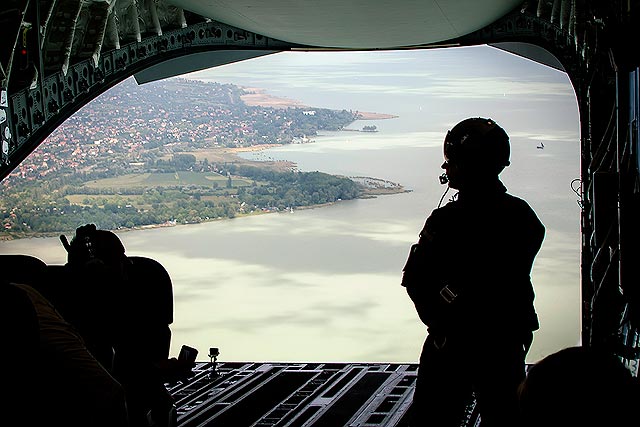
(469, 278)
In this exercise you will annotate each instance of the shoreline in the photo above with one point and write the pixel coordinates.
(259, 97)
(373, 187)
(367, 194)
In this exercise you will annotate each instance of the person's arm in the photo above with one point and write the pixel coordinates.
(420, 273)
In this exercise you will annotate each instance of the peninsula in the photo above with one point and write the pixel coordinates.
(166, 153)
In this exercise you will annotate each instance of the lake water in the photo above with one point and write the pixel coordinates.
(323, 284)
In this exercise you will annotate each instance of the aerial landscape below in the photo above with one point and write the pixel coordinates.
(167, 153)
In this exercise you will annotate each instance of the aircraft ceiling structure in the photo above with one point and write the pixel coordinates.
(355, 24)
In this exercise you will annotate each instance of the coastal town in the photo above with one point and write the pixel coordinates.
(134, 152)
(135, 124)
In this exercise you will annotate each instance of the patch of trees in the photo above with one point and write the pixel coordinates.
(295, 189)
(136, 207)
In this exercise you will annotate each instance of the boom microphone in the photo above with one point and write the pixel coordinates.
(444, 179)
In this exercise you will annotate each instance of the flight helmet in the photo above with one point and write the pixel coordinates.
(478, 145)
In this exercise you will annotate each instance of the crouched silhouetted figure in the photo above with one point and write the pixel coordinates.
(115, 307)
(580, 386)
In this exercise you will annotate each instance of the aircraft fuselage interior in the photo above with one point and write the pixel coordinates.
(58, 55)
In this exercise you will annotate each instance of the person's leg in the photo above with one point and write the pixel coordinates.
(497, 377)
(443, 388)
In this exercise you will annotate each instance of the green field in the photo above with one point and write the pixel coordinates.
(100, 199)
(166, 180)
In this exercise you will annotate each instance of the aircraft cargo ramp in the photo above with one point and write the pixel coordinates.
(297, 394)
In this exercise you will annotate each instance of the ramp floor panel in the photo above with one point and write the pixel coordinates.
(298, 395)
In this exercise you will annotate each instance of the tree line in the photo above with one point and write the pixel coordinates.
(270, 191)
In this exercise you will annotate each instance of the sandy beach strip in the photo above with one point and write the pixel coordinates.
(258, 97)
(259, 147)
(365, 115)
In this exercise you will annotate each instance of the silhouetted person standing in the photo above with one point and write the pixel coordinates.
(469, 278)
